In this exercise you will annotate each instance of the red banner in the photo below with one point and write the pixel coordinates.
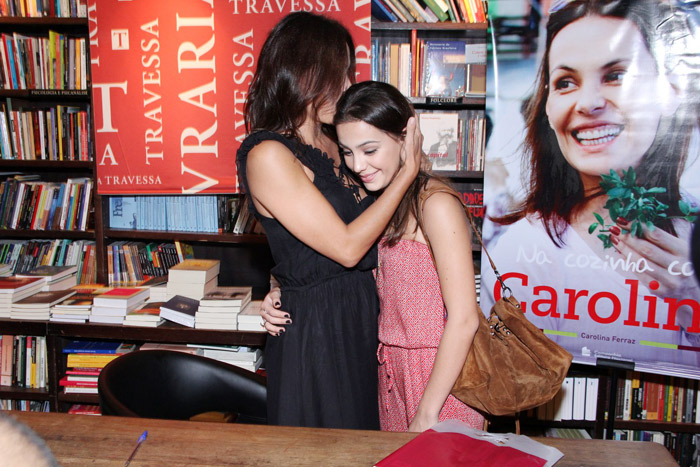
(169, 81)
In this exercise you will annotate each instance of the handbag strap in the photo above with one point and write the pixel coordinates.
(445, 189)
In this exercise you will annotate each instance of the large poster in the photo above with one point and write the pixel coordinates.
(592, 178)
(169, 81)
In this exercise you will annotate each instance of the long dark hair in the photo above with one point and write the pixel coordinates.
(556, 192)
(385, 108)
(305, 60)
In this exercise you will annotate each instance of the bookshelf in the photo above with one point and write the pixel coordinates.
(389, 38)
(59, 334)
(43, 100)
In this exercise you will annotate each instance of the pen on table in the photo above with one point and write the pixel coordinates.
(140, 441)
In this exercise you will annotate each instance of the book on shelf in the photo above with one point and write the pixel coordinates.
(55, 277)
(171, 347)
(218, 325)
(564, 399)
(96, 347)
(106, 319)
(38, 306)
(579, 398)
(184, 250)
(147, 315)
(11, 285)
(382, 12)
(444, 73)
(217, 317)
(250, 366)
(6, 351)
(69, 318)
(79, 390)
(249, 317)
(190, 289)
(99, 310)
(180, 310)
(121, 297)
(74, 304)
(227, 297)
(440, 139)
(51, 273)
(87, 383)
(591, 399)
(197, 271)
(229, 352)
(80, 360)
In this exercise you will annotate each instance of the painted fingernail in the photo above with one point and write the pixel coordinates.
(277, 304)
(621, 221)
(281, 331)
(614, 239)
(615, 230)
(289, 321)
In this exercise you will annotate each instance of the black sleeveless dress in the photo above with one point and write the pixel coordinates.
(321, 372)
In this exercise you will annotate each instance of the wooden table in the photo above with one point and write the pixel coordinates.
(84, 439)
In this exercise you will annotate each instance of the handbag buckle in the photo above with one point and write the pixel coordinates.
(498, 328)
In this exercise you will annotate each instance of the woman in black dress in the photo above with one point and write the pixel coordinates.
(322, 229)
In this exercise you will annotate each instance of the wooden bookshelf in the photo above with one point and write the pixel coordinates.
(444, 26)
(24, 22)
(59, 334)
(226, 238)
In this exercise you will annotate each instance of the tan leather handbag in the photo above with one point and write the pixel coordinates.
(512, 365)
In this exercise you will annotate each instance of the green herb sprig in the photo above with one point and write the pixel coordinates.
(635, 203)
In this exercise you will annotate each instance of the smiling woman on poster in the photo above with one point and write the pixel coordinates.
(598, 249)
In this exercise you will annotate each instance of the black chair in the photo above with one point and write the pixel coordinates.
(178, 386)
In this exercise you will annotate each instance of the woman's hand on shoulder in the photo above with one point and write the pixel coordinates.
(274, 319)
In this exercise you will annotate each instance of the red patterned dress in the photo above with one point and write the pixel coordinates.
(411, 323)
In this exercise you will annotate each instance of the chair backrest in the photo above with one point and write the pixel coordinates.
(177, 385)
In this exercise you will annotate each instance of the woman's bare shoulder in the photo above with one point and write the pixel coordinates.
(440, 195)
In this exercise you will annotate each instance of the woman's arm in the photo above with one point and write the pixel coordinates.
(278, 183)
(449, 231)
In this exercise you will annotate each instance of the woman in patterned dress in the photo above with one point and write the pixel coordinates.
(428, 312)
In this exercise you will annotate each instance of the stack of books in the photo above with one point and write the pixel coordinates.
(77, 308)
(84, 362)
(38, 306)
(55, 277)
(249, 317)
(159, 292)
(147, 315)
(13, 289)
(219, 308)
(248, 358)
(73, 310)
(193, 278)
(180, 310)
(112, 306)
(5, 270)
